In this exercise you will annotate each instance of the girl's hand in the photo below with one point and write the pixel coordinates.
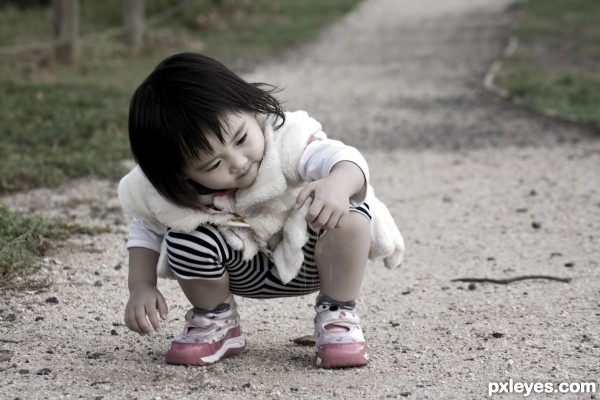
(330, 202)
(140, 313)
(331, 195)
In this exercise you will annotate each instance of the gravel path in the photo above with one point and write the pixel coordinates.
(479, 188)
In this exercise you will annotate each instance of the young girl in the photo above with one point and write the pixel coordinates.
(232, 195)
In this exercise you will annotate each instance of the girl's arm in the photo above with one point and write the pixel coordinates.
(338, 176)
(145, 300)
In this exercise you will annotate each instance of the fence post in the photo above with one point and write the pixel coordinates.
(66, 30)
(134, 24)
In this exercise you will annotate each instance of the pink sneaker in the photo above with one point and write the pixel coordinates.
(339, 339)
(208, 337)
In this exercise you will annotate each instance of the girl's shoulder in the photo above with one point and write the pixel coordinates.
(298, 124)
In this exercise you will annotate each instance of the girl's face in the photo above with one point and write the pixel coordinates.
(235, 163)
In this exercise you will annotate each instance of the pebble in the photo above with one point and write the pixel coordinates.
(6, 355)
(95, 356)
(308, 340)
(52, 300)
(44, 371)
(10, 318)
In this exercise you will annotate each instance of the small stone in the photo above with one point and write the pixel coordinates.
(10, 318)
(23, 371)
(570, 264)
(472, 286)
(44, 371)
(98, 284)
(39, 319)
(536, 225)
(308, 340)
(497, 335)
(246, 385)
(52, 300)
(394, 324)
(118, 267)
(5, 355)
(114, 332)
(405, 394)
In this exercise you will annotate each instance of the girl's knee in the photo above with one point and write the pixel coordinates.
(356, 221)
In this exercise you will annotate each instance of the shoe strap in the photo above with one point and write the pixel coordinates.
(325, 302)
(221, 308)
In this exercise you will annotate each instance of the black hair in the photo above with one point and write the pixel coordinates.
(177, 108)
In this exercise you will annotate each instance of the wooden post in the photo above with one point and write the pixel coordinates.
(66, 30)
(134, 24)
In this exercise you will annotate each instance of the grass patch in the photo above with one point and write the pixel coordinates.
(557, 64)
(22, 238)
(61, 123)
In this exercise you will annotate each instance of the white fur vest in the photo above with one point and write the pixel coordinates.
(265, 218)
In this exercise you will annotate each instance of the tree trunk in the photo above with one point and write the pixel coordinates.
(134, 24)
(66, 30)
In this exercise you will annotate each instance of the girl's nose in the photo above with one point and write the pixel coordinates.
(238, 162)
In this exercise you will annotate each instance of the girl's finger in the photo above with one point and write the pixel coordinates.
(140, 316)
(163, 309)
(303, 196)
(151, 312)
(314, 212)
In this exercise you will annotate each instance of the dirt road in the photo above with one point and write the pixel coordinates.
(478, 187)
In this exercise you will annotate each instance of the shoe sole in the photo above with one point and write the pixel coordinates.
(342, 355)
(201, 354)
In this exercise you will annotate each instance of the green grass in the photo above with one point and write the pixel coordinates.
(61, 123)
(22, 238)
(557, 64)
(64, 122)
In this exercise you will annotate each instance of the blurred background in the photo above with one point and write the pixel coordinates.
(69, 67)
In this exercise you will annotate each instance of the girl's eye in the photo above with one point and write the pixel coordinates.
(242, 139)
(214, 166)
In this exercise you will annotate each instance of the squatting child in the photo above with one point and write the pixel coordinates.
(233, 196)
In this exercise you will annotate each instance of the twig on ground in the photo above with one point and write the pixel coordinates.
(9, 341)
(506, 281)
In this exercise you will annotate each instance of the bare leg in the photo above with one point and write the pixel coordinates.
(342, 257)
(205, 294)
